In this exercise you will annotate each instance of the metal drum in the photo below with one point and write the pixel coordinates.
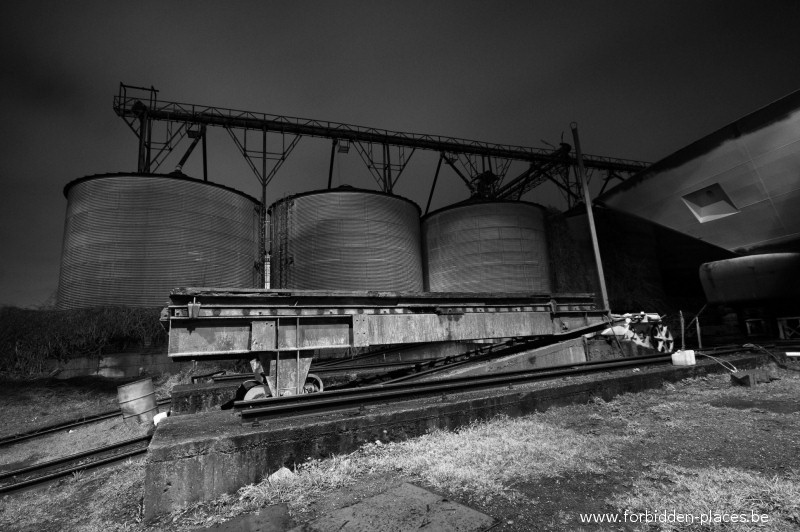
(771, 276)
(130, 239)
(345, 239)
(137, 400)
(486, 247)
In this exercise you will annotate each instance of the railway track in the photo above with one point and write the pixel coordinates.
(400, 389)
(15, 438)
(279, 407)
(46, 471)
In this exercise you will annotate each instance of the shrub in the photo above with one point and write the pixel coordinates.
(29, 337)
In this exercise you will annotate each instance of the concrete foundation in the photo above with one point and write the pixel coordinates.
(202, 397)
(200, 457)
(118, 365)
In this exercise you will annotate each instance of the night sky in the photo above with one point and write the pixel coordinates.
(641, 78)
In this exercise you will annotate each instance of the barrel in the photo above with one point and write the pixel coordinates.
(137, 400)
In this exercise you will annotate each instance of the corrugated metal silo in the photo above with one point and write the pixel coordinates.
(486, 247)
(131, 238)
(345, 239)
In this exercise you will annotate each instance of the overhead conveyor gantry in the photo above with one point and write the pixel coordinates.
(482, 166)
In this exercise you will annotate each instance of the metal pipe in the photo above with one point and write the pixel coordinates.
(683, 331)
(699, 337)
(186, 155)
(205, 159)
(433, 186)
(330, 170)
(263, 232)
(590, 215)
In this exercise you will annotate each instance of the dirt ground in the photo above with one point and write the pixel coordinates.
(700, 444)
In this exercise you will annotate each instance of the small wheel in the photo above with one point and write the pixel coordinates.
(662, 338)
(313, 384)
(256, 392)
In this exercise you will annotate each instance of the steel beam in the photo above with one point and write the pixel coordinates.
(208, 323)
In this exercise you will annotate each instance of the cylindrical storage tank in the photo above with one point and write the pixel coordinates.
(345, 239)
(771, 276)
(131, 238)
(498, 246)
(137, 400)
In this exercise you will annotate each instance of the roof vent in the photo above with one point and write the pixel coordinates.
(710, 203)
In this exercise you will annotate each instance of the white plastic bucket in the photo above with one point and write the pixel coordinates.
(138, 400)
(683, 358)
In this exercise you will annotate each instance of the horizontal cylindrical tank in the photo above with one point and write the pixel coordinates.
(770, 276)
(345, 239)
(498, 246)
(131, 238)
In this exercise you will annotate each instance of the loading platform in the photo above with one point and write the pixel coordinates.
(285, 329)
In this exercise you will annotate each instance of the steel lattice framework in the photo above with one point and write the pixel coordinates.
(482, 166)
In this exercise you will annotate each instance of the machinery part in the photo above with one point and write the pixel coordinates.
(313, 384)
(257, 392)
(662, 340)
(643, 329)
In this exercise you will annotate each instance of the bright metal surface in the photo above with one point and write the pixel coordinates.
(486, 247)
(737, 188)
(130, 239)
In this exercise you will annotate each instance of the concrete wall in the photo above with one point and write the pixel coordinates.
(117, 365)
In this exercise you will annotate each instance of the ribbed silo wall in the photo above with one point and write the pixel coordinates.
(345, 240)
(486, 247)
(130, 239)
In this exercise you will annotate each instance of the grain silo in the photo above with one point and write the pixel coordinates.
(345, 239)
(131, 238)
(497, 246)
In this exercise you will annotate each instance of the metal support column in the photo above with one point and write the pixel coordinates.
(330, 170)
(263, 221)
(143, 165)
(435, 178)
(588, 200)
(205, 159)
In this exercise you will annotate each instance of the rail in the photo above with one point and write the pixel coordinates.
(46, 471)
(332, 401)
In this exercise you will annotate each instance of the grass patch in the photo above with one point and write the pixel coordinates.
(102, 500)
(479, 462)
(26, 405)
(719, 490)
(484, 460)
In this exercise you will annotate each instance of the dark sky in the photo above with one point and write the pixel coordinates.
(641, 78)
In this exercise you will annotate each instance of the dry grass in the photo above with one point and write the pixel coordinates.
(103, 500)
(719, 491)
(479, 462)
(69, 442)
(28, 405)
(484, 460)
